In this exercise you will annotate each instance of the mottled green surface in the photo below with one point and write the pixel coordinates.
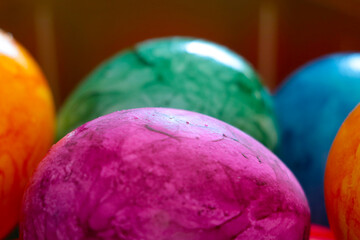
(180, 73)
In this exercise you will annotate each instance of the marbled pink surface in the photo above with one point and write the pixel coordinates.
(163, 174)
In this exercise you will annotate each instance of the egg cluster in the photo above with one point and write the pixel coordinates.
(178, 138)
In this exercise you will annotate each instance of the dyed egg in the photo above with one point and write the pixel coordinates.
(310, 106)
(182, 73)
(318, 232)
(26, 126)
(157, 173)
(342, 177)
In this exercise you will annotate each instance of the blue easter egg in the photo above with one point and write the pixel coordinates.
(310, 106)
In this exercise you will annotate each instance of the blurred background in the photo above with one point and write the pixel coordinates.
(70, 37)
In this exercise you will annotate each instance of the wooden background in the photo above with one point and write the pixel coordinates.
(70, 37)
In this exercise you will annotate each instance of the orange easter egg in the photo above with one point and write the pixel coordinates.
(26, 125)
(342, 180)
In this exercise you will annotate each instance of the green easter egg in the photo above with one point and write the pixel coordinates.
(176, 72)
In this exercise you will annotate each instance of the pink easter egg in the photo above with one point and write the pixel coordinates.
(159, 174)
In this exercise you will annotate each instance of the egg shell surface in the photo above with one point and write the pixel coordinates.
(311, 106)
(342, 177)
(176, 72)
(157, 173)
(26, 126)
